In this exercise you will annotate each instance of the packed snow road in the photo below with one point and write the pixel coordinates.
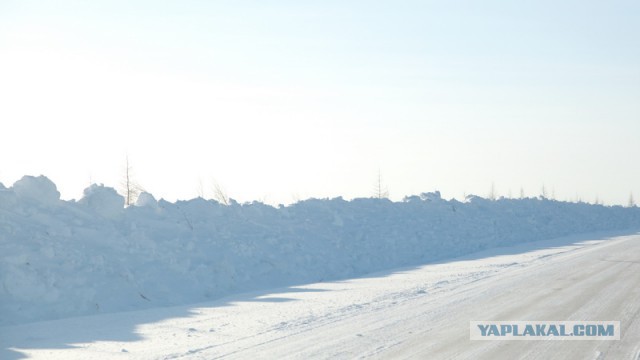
(419, 312)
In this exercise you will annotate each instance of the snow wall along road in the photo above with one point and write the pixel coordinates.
(66, 258)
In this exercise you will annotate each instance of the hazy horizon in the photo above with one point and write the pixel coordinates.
(285, 100)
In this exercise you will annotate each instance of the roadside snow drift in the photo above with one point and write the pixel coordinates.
(66, 258)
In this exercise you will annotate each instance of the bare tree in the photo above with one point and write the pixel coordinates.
(521, 193)
(219, 194)
(492, 192)
(380, 191)
(632, 201)
(200, 189)
(544, 192)
(130, 188)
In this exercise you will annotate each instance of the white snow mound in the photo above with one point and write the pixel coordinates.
(38, 188)
(67, 258)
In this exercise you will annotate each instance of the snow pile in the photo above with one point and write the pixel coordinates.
(66, 258)
(39, 189)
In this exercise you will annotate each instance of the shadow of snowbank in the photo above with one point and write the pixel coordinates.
(122, 330)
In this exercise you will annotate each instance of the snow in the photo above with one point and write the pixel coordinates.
(103, 200)
(39, 189)
(415, 312)
(146, 199)
(62, 259)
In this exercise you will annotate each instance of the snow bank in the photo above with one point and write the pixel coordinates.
(103, 201)
(39, 189)
(66, 258)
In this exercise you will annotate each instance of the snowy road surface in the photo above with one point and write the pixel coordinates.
(421, 312)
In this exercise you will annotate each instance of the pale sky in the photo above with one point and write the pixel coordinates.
(284, 100)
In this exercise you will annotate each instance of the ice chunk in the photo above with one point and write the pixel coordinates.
(103, 200)
(146, 199)
(38, 188)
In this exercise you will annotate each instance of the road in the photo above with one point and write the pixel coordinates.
(421, 312)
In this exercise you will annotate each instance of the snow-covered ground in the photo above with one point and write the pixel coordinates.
(93, 256)
(130, 267)
(420, 312)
